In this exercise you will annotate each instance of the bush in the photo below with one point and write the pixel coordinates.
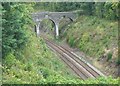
(93, 35)
(71, 41)
(118, 61)
(10, 60)
(109, 56)
(16, 19)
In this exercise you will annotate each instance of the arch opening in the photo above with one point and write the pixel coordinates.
(47, 26)
(64, 22)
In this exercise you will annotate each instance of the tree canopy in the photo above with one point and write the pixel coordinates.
(16, 18)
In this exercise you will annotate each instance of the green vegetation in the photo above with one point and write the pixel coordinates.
(35, 63)
(27, 59)
(109, 56)
(96, 37)
(16, 21)
(107, 10)
(38, 65)
(47, 25)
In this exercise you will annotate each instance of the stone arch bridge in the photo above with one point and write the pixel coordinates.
(55, 17)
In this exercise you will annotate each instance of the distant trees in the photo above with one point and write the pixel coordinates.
(57, 6)
(108, 10)
(15, 17)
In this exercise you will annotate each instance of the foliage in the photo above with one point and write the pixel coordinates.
(118, 61)
(47, 25)
(36, 64)
(56, 6)
(108, 10)
(93, 36)
(16, 19)
(109, 56)
(27, 60)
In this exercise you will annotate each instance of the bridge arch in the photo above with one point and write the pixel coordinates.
(65, 21)
(53, 22)
(56, 26)
(55, 17)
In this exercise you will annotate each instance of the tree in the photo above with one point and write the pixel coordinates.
(17, 17)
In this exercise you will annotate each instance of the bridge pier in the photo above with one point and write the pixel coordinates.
(56, 30)
(37, 29)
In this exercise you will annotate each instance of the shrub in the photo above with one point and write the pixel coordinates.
(16, 19)
(118, 61)
(10, 60)
(71, 41)
(109, 56)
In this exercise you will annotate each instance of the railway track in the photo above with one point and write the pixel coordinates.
(83, 69)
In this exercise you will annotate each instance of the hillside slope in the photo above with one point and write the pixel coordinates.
(36, 64)
(98, 38)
